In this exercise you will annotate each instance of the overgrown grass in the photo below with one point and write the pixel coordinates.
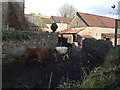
(15, 34)
(100, 79)
(105, 76)
(113, 58)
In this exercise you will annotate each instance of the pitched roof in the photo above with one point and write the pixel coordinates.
(71, 30)
(58, 19)
(97, 21)
(47, 20)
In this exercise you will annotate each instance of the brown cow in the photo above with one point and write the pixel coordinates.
(39, 54)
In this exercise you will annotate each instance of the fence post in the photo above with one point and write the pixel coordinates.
(116, 29)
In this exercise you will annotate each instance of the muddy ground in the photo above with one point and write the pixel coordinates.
(37, 75)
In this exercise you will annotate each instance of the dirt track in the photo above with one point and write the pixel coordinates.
(38, 75)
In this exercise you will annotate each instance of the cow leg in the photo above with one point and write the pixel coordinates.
(39, 58)
(63, 57)
(67, 56)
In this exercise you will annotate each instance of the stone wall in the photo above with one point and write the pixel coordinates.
(13, 16)
(77, 22)
(96, 31)
(16, 48)
(4, 14)
(98, 49)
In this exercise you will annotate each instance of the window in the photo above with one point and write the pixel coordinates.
(74, 38)
(96, 34)
(108, 39)
(77, 23)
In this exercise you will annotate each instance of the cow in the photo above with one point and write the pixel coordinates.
(38, 54)
(63, 51)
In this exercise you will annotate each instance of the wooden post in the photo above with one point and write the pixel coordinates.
(116, 29)
(50, 80)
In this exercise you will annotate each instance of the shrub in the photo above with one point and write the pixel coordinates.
(106, 76)
(97, 48)
(113, 58)
(98, 78)
(54, 27)
(15, 34)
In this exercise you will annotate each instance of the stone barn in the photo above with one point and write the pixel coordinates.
(93, 25)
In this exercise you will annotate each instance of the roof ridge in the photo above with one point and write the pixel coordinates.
(95, 15)
(82, 19)
(96, 20)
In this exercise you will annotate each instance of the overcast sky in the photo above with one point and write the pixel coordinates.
(51, 7)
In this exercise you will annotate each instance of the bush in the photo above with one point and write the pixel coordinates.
(113, 58)
(99, 78)
(97, 48)
(15, 34)
(54, 27)
(106, 76)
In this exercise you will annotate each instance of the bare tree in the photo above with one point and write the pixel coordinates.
(67, 10)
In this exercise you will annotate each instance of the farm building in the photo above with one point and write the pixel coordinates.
(92, 25)
(62, 22)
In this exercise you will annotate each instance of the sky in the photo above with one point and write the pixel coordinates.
(51, 7)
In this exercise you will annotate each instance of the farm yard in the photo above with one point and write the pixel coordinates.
(68, 73)
(17, 74)
(58, 51)
(38, 75)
